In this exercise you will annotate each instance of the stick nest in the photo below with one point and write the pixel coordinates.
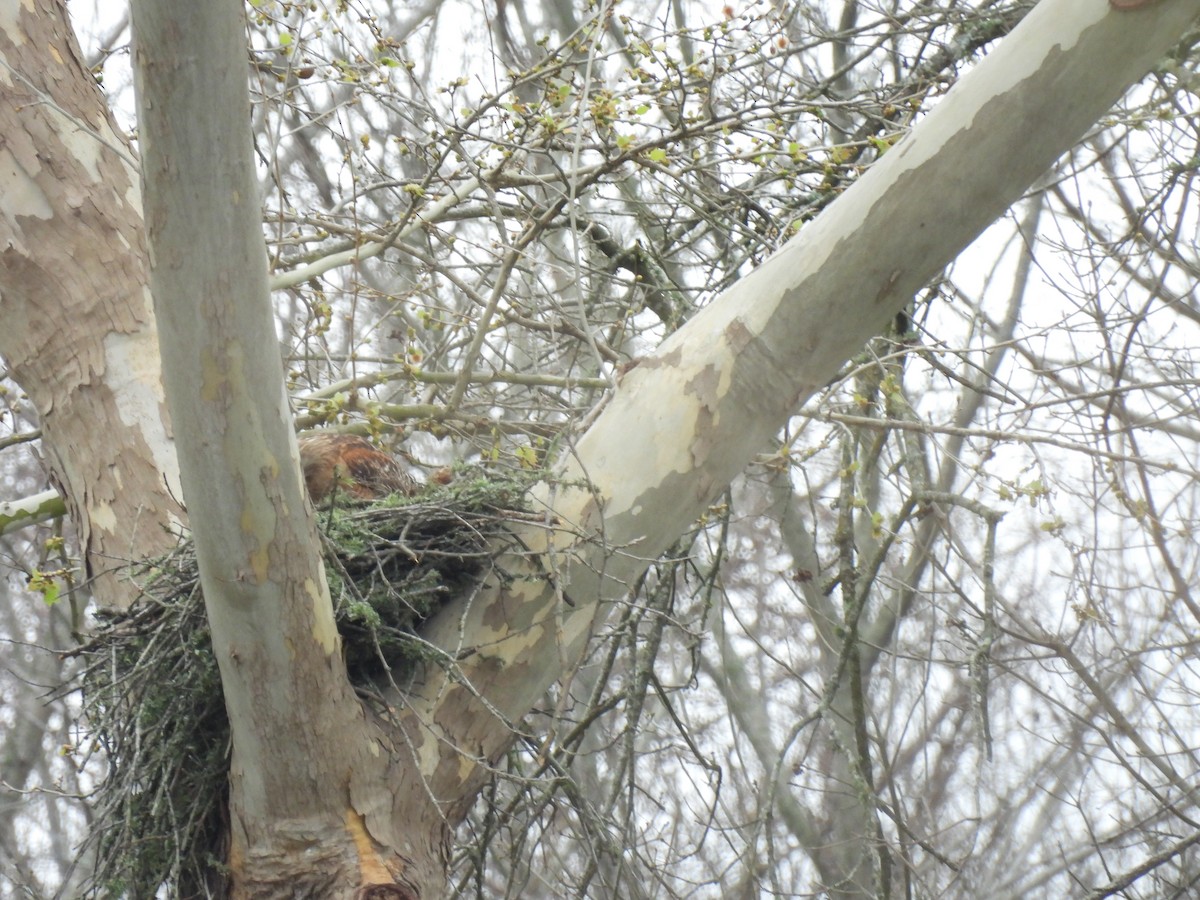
(152, 696)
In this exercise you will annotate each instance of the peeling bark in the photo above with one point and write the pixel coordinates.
(79, 333)
(325, 800)
(686, 420)
(315, 807)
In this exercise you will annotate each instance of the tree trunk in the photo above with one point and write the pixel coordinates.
(315, 808)
(79, 332)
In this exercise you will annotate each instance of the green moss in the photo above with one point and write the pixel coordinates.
(152, 691)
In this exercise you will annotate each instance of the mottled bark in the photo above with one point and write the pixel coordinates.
(314, 809)
(324, 799)
(687, 419)
(78, 329)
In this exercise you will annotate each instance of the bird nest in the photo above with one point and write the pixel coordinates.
(152, 696)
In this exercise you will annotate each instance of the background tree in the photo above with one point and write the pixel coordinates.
(886, 519)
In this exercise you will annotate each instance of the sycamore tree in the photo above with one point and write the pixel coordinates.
(860, 556)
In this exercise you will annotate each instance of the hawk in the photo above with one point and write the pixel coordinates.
(347, 463)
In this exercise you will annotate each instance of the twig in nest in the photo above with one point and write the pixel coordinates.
(152, 692)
